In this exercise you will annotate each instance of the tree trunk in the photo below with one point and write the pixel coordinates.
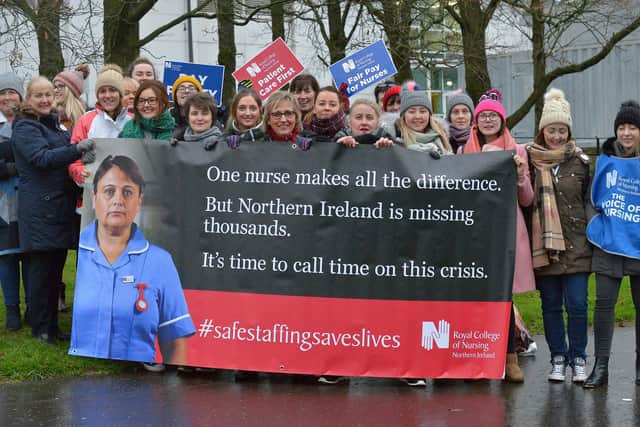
(337, 39)
(47, 26)
(277, 20)
(227, 47)
(477, 78)
(120, 34)
(397, 27)
(537, 54)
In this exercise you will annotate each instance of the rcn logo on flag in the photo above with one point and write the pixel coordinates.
(439, 336)
(612, 178)
(253, 69)
(348, 66)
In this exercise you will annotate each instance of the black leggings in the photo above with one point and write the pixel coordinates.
(511, 343)
(607, 289)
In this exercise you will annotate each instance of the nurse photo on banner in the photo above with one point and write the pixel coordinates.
(128, 293)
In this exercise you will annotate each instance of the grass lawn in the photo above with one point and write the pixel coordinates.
(23, 358)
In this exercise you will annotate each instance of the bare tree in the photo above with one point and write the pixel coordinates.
(554, 26)
(56, 25)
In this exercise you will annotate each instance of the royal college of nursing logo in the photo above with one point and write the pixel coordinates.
(612, 178)
(440, 336)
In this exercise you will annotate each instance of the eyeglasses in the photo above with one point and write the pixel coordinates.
(186, 88)
(488, 116)
(150, 101)
(59, 86)
(280, 114)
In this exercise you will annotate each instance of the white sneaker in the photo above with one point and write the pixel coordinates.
(415, 382)
(579, 370)
(330, 379)
(557, 369)
(153, 367)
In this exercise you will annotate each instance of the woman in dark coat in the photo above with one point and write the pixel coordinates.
(610, 266)
(560, 251)
(46, 202)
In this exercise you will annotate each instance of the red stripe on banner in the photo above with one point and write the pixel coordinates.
(348, 337)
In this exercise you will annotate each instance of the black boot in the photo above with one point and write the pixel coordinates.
(13, 318)
(637, 369)
(600, 374)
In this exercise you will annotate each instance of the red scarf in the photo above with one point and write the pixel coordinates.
(293, 137)
(504, 142)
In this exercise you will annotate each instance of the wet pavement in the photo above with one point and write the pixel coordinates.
(215, 399)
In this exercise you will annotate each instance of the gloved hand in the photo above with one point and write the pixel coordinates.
(173, 142)
(210, 145)
(88, 157)
(12, 170)
(85, 145)
(434, 154)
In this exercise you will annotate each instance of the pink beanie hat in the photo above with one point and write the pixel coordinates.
(491, 101)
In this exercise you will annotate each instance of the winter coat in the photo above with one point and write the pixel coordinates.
(8, 195)
(572, 195)
(47, 196)
(609, 264)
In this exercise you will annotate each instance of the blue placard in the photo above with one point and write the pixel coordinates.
(211, 77)
(615, 192)
(363, 68)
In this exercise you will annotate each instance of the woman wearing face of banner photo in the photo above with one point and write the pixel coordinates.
(611, 268)
(490, 133)
(128, 293)
(560, 250)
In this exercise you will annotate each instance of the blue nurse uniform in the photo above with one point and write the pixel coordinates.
(106, 323)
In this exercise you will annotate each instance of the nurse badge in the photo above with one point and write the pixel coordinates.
(141, 303)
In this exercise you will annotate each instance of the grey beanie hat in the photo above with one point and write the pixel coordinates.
(457, 99)
(414, 98)
(12, 81)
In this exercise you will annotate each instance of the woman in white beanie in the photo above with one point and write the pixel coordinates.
(559, 248)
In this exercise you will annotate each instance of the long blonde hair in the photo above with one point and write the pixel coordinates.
(72, 106)
(409, 135)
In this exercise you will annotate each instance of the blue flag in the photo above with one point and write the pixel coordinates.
(615, 193)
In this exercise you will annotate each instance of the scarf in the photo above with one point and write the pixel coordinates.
(254, 134)
(427, 141)
(326, 127)
(547, 239)
(293, 137)
(207, 138)
(619, 151)
(458, 137)
(160, 127)
(504, 142)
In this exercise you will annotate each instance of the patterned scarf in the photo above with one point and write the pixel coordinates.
(547, 239)
(326, 127)
(160, 127)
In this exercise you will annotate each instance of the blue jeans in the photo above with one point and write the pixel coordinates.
(570, 290)
(10, 279)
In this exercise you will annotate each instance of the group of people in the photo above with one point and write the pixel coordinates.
(46, 143)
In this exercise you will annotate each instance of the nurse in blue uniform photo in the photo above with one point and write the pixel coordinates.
(128, 292)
